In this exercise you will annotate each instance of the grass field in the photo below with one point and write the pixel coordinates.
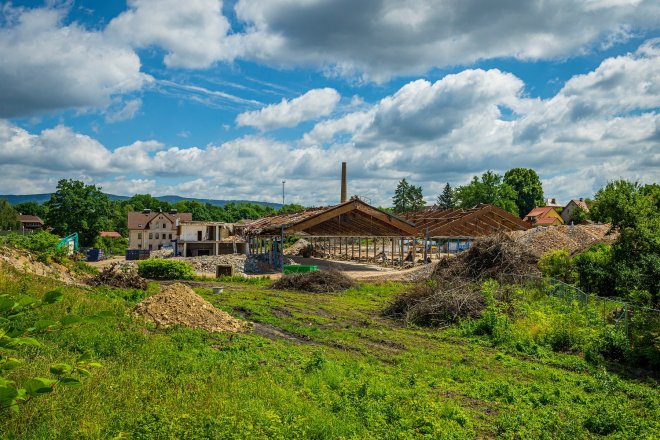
(315, 366)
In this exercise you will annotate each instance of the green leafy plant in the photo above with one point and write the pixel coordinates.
(558, 264)
(13, 336)
(160, 269)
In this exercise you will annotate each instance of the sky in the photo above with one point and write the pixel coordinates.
(224, 100)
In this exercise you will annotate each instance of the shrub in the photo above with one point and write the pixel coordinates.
(42, 244)
(160, 269)
(594, 269)
(112, 245)
(559, 265)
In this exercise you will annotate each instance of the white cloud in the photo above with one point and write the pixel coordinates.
(312, 105)
(128, 110)
(49, 66)
(192, 32)
(381, 38)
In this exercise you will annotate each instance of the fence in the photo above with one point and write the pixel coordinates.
(633, 319)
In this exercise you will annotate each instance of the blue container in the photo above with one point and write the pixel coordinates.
(95, 254)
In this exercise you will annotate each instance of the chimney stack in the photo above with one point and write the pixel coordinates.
(343, 182)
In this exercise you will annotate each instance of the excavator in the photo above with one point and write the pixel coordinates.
(70, 241)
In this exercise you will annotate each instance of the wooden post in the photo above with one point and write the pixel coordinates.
(359, 249)
(392, 239)
(352, 248)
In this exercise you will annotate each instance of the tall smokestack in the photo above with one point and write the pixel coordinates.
(343, 182)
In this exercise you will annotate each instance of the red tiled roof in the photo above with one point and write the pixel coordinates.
(547, 220)
(111, 234)
(140, 220)
(581, 203)
(539, 212)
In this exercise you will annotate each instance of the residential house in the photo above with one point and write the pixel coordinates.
(153, 230)
(569, 209)
(552, 202)
(110, 234)
(544, 216)
(30, 223)
(208, 238)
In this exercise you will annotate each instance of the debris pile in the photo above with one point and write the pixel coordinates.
(297, 248)
(116, 275)
(178, 304)
(453, 291)
(161, 253)
(322, 281)
(208, 263)
(576, 239)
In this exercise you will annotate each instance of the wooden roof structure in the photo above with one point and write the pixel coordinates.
(479, 221)
(353, 218)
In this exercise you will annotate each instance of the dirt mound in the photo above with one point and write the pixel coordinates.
(178, 304)
(322, 281)
(576, 239)
(25, 262)
(297, 247)
(116, 275)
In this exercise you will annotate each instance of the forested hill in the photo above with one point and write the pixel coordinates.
(41, 198)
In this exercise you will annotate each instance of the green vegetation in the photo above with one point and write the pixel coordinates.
(489, 189)
(162, 269)
(340, 371)
(42, 245)
(112, 245)
(559, 265)
(8, 216)
(446, 199)
(527, 185)
(407, 197)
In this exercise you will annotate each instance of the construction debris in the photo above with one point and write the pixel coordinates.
(178, 304)
(322, 281)
(208, 263)
(116, 275)
(541, 240)
(297, 248)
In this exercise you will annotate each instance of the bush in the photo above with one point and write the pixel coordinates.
(594, 269)
(159, 269)
(112, 245)
(559, 265)
(42, 244)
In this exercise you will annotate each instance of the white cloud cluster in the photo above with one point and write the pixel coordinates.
(312, 105)
(381, 38)
(430, 133)
(192, 32)
(47, 66)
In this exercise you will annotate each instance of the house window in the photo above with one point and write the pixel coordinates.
(139, 246)
(157, 236)
(170, 236)
(139, 235)
(150, 247)
(151, 235)
(164, 227)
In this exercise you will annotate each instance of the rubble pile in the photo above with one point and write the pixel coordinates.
(539, 241)
(208, 263)
(297, 248)
(322, 281)
(178, 304)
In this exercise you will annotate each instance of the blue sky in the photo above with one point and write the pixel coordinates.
(224, 100)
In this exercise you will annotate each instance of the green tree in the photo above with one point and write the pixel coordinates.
(446, 199)
(488, 190)
(8, 216)
(407, 197)
(31, 208)
(528, 188)
(76, 207)
(290, 208)
(147, 201)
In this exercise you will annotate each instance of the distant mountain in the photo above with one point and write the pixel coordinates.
(41, 198)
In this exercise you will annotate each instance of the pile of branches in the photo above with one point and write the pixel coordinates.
(433, 305)
(323, 281)
(497, 257)
(119, 276)
(453, 291)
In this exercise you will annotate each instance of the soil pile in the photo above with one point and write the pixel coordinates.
(576, 239)
(297, 248)
(321, 281)
(25, 262)
(178, 304)
(116, 275)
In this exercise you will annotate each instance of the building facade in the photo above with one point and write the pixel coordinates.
(208, 238)
(154, 230)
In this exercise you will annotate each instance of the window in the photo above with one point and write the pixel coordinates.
(170, 236)
(164, 227)
(140, 225)
(157, 237)
(151, 235)
(139, 235)
(139, 246)
(150, 247)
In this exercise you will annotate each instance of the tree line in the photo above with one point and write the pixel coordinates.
(78, 207)
(517, 192)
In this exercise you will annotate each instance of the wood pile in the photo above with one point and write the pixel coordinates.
(539, 241)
